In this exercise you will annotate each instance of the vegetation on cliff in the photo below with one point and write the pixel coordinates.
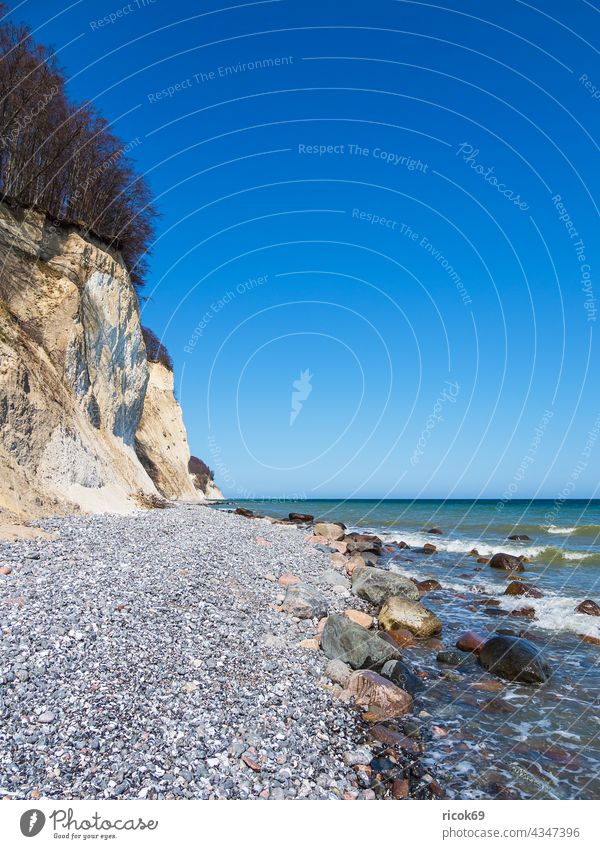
(62, 158)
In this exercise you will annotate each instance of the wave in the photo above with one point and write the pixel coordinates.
(552, 612)
(552, 529)
(486, 548)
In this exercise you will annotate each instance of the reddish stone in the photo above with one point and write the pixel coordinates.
(588, 606)
(520, 588)
(250, 762)
(287, 579)
(400, 788)
(434, 644)
(402, 637)
(470, 641)
(429, 548)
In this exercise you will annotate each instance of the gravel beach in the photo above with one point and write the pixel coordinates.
(145, 656)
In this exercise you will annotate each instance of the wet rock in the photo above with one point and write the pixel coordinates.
(305, 602)
(522, 537)
(433, 643)
(429, 548)
(482, 560)
(300, 518)
(520, 588)
(344, 640)
(360, 547)
(399, 637)
(400, 788)
(400, 674)
(371, 690)
(449, 658)
(432, 531)
(507, 562)
(428, 585)
(377, 585)
(356, 537)
(330, 530)
(588, 606)
(514, 659)
(243, 511)
(470, 641)
(402, 544)
(400, 612)
(473, 553)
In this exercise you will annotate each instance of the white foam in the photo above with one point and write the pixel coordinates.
(460, 546)
(553, 529)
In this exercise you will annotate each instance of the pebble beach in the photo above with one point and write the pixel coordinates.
(192, 653)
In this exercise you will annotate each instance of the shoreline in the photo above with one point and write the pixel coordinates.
(145, 657)
(159, 655)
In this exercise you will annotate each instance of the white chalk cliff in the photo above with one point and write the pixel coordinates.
(77, 394)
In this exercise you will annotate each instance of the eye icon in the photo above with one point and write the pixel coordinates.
(32, 822)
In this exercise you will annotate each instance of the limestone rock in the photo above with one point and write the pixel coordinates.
(377, 585)
(399, 612)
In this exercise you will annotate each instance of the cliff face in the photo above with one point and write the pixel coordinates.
(74, 377)
(161, 440)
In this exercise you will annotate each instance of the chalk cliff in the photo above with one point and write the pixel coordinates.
(79, 402)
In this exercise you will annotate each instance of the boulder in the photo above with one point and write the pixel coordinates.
(338, 672)
(473, 553)
(243, 511)
(400, 674)
(344, 640)
(449, 658)
(433, 531)
(402, 544)
(377, 585)
(519, 588)
(507, 562)
(522, 537)
(354, 562)
(356, 537)
(331, 530)
(300, 518)
(429, 548)
(514, 659)
(428, 585)
(401, 612)
(304, 602)
(399, 637)
(369, 689)
(588, 606)
(470, 641)
(363, 619)
(359, 546)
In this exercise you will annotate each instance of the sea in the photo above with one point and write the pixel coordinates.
(524, 741)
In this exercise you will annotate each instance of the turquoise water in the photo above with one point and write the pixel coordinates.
(536, 742)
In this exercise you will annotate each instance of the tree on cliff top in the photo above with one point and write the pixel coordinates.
(61, 157)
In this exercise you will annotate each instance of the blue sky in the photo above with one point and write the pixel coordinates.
(366, 194)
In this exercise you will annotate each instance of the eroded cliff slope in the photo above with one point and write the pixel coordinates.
(74, 377)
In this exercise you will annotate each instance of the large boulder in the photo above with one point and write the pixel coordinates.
(520, 588)
(400, 674)
(588, 606)
(377, 585)
(514, 659)
(399, 612)
(330, 530)
(344, 640)
(520, 537)
(300, 518)
(361, 546)
(304, 602)
(506, 562)
(371, 690)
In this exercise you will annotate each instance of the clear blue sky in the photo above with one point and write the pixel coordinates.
(459, 122)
